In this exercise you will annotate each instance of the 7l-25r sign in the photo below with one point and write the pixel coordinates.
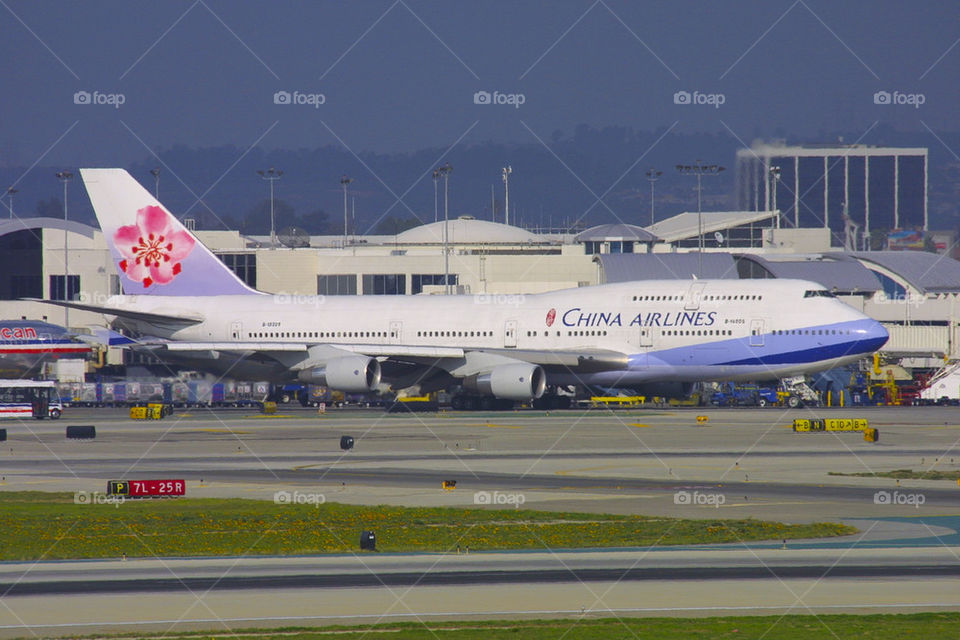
(147, 488)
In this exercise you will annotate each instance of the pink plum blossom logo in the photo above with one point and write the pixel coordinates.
(551, 316)
(153, 247)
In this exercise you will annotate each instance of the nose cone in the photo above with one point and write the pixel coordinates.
(880, 334)
(874, 336)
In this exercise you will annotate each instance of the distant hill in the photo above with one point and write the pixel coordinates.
(594, 176)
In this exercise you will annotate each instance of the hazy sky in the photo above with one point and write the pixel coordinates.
(400, 76)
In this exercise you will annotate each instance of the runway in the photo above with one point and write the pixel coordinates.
(600, 460)
(407, 570)
(178, 594)
(905, 558)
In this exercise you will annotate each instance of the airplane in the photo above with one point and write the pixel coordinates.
(188, 307)
(27, 344)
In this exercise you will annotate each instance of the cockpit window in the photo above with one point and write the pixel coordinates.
(818, 293)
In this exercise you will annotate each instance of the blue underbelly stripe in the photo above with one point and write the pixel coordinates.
(824, 352)
(776, 349)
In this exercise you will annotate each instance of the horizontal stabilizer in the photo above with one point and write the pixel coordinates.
(146, 316)
(235, 346)
(103, 337)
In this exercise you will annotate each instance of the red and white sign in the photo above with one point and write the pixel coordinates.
(157, 488)
(551, 316)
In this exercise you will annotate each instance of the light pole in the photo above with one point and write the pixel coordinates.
(436, 180)
(270, 175)
(775, 178)
(344, 181)
(445, 171)
(507, 170)
(652, 175)
(155, 172)
(64, 177)
(10, 192)
(700, 170)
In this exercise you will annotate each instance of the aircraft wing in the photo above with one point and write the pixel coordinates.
(584, 360)
(179, 316)
(234, 346)
(576, 360)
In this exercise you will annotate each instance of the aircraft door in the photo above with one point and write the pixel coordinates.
(646, 336)
(756, 333)
(236, 330)
(396, 329)
(692, 301)
(510, 334)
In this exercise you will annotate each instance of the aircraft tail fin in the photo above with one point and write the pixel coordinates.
(153, 252)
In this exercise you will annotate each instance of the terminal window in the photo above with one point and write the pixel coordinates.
(59, 292)
(337, 285)
(242, 264)
(21, 264)
(384, 284)
(24, 287)
(420, 280)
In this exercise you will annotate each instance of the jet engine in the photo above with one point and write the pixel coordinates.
(520, 381)
(350, 373)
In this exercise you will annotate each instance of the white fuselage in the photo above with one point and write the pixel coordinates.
(671, 330)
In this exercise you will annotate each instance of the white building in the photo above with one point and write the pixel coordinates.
(913, 293)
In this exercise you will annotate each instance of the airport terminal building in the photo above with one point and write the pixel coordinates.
(913, 293)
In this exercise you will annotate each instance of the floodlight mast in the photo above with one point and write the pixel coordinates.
(699, 169)
(652, 176)
(65, 177)
(271, 175)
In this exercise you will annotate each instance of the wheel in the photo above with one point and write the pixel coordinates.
(793, 402)
(55, 414)
(762, 402)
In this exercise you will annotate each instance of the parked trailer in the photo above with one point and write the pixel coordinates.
(180, 394)
(252, 393)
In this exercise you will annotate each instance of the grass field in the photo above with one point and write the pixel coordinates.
(928, 626)
(40, 525)
(905, 474)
